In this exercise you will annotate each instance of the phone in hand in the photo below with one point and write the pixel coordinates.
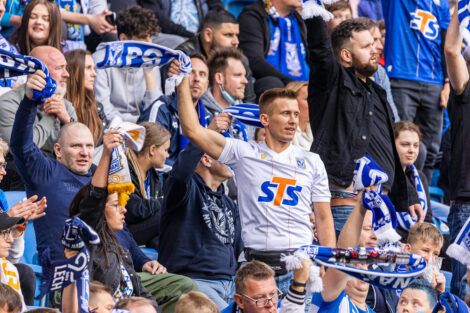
(111, 18)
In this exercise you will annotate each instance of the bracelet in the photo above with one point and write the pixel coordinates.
(298, 284)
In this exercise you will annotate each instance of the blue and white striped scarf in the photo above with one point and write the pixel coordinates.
(59, 274)
(404, 218)
(312, 8)
(137, 54)
(12, 65)
(464, 18)
(247, 113)
(366, 174)
(460, 248)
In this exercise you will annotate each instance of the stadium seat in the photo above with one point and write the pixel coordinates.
(448, 276)
(13, 197)
(152, 254)
(436, 193)
(235, 7)
(229, 308)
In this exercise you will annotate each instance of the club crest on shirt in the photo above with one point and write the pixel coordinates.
(263, 156)
(300, 163)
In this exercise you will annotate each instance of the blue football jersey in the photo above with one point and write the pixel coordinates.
(413, 38)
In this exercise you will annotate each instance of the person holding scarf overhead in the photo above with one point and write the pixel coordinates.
(273, 37)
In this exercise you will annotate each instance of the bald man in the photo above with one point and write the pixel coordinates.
(53, 114)
(56, 179)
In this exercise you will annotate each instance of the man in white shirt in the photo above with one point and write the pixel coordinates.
(277, 182)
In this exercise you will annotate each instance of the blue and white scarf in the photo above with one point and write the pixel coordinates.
(246, 113)
(464, 18)
(366, 174)
(460, 248)
(404, 218)
(59, 274)
(137, 54)
(339, 259)
(12, 65)
(7, 46)
(312, 8)
(287, 52)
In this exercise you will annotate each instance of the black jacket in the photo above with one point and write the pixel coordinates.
(193, 45)
(341, 117)
(255, 39)
(92, 212)
(138, 208)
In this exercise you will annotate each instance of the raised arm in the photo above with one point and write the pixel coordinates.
(324, 68)
(334, 282)
(456, 65)
(207, 140)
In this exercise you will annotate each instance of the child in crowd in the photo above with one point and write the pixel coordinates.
(426, 240)
(195, 302)
(10, 300)
(101, 300)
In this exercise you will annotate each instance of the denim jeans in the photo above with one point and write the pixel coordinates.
(219, 291)
(340, 216)
(459, 213)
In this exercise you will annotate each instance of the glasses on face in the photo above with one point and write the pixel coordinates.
(263, 302)
(7, 233)
(116, 206)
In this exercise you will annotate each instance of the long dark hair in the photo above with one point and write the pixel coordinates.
(83, 100)
(20, 38)
(105, 233)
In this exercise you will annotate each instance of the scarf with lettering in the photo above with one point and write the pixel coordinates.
(366, 174)
(404, 218)
(6, 45)
(312, 8)
(59, 274)
(119, 178)
(464, 18)
(460, 248)
(137, 54)
(287, 52)
(339, 259)
(12, 65)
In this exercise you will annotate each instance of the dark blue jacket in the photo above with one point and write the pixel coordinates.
(164, 111)
(126, 241)
(200, 228)
(44, 177)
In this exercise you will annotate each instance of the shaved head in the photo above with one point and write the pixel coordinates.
(55, 63)
(72, 127)
(75, 147)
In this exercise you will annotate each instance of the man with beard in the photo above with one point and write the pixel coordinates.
(349, 113)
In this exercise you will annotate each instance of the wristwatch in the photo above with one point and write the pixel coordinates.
(298, 284)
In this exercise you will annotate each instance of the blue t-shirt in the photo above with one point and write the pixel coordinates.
(342, 304)
(413, 38)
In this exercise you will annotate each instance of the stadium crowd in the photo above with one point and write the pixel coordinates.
(220, 201)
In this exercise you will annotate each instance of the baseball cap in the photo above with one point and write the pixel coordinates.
(7, 221)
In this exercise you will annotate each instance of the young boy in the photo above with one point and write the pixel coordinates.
(426, 240)
(101, 300)
(195, 302)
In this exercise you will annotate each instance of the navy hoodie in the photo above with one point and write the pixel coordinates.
(44, 177)
(200, 228)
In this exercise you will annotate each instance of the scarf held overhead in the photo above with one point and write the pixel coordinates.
(119, 178)
(340, 258)
(312, 8)
(460, 248)
(12, 65)
(464, 19)
(137, 54)
(367, 174)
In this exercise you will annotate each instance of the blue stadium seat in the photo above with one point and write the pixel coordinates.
(229, 308)
(13, 197)
(448, 276)
(235, 7)
(436, 193)
(152, 254)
